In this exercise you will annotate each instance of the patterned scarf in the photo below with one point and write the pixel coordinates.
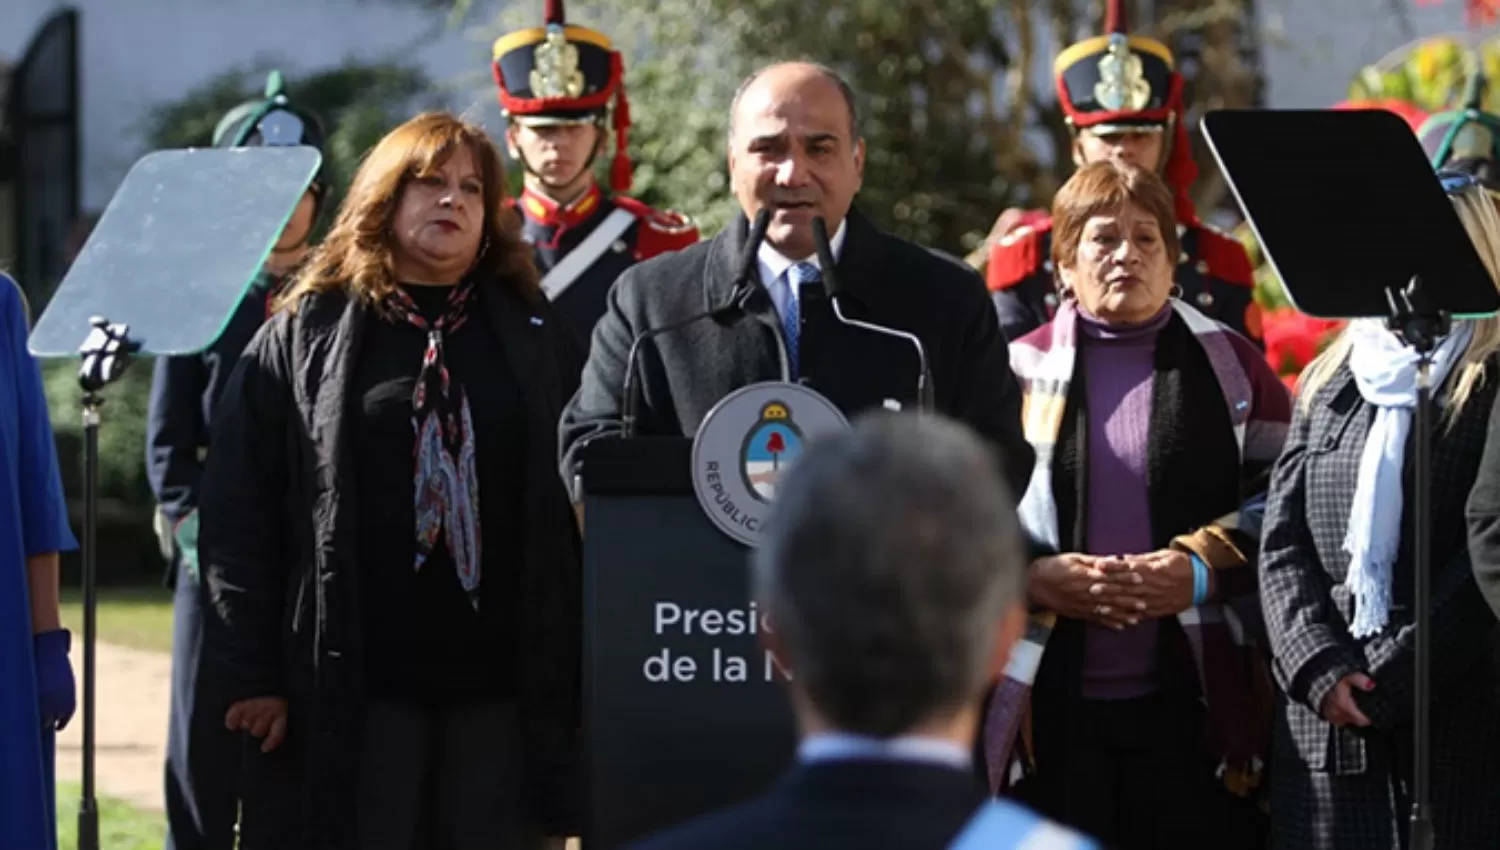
(447, 487)
(1219, 643)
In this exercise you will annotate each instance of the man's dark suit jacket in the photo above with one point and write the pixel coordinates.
(855, 803)
(683, 374)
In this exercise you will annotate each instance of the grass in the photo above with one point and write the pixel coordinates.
(139, 617)
(121, 826)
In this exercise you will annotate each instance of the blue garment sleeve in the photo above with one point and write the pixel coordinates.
(44, 509)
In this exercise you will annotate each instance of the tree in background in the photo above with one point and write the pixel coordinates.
(959, 110)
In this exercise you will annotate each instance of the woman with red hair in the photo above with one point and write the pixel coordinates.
(390, 556)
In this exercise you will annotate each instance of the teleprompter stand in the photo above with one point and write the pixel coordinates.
(1421, 327)
(1367, 234)
(105, 356)
(161, 274)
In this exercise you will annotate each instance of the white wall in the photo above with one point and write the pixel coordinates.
(140, 53)
(1314, 47)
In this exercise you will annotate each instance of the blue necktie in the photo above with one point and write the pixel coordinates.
(796, 275)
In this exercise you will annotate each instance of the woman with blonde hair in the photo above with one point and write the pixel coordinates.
(389, 555)
(1336, 587)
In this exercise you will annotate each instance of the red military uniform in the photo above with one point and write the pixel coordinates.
(581, 248)
(1122, 83)
(561, 73)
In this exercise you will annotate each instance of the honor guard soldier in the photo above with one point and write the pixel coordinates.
(202, 798)
(1122, 96)
(556, 84)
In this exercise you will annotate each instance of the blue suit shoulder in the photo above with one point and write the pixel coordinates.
(1003, 825)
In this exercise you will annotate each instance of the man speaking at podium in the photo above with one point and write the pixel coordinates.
(795, 153)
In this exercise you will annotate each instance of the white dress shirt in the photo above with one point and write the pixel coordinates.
(773, 266)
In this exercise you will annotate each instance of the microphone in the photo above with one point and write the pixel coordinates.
(834, 294)
(739, 296)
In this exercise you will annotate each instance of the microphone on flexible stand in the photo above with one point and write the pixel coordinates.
(834, 294)
(732, 308)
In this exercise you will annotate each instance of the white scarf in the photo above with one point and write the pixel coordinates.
(1385, 370)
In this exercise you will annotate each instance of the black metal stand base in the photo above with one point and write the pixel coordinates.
(105, 355)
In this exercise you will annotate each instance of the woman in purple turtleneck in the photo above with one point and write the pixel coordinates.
(1140, 712)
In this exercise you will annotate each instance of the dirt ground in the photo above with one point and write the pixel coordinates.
(134, 688)
(130, 729)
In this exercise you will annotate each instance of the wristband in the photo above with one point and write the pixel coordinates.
(1200, 580)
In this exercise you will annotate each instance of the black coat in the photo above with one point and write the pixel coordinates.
(1484, 516)
(184, 391)
(279, 515)
(683, 374)
(864, 804)
(1334, 788)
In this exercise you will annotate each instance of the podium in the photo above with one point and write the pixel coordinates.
(684, 711)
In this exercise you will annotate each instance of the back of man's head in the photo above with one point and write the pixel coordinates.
(891, 562)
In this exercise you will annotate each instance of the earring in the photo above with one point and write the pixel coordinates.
(1176, 291)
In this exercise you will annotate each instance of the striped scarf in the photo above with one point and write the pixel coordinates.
(1044, 364)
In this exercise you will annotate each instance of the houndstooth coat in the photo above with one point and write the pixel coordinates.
(1333, 789)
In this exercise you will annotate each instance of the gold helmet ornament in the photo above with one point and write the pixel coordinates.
(560, 73)
(1123, 83)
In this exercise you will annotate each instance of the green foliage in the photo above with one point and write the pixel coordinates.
(1269, 292)
(1430, 73)
(135, 615)
(358, 103)
(121, 825)
(122, 432)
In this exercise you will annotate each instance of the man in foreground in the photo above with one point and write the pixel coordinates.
(893, 576)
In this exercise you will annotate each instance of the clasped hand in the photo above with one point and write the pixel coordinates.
(1112, 590)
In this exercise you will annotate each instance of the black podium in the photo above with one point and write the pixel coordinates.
(684, 711)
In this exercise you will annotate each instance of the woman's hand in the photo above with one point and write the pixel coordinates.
(1166, 581)
(262, 717)
(1086, 587)
(1339, 707)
